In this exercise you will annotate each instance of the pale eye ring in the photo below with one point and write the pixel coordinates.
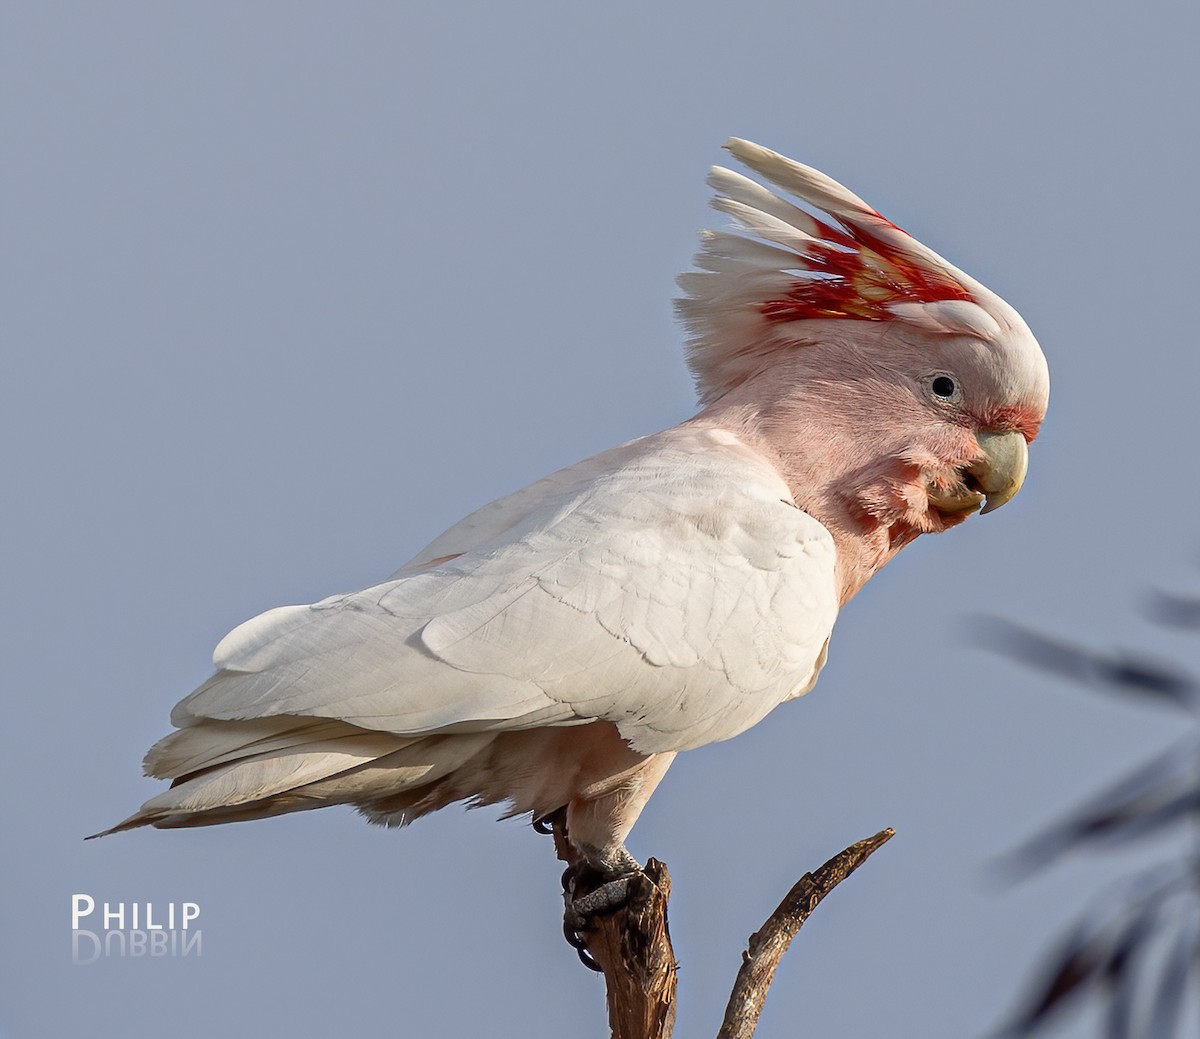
(943, 386)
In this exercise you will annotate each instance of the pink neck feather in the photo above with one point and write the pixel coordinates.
(844, 446)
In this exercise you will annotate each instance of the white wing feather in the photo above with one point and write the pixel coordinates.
(669, 586)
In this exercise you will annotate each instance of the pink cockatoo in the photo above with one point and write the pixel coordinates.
(556, 649)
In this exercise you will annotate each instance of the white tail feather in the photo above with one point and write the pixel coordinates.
(252, 769)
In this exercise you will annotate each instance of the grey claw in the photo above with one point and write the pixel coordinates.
(573, 937)
(578, 911)
(573, 922)
(576, 942)
(545, 824)
(585, 958)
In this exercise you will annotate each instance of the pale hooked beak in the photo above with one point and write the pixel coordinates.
(996, 477)
(1002, 469)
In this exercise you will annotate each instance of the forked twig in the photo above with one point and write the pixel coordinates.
(632, 945)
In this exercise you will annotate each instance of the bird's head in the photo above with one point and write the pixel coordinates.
(891, 379)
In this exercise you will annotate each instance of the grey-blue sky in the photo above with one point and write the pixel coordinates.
(290, 287)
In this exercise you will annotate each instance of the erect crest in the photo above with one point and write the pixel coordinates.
(751, 293)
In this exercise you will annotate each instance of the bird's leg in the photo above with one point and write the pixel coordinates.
(589, 835)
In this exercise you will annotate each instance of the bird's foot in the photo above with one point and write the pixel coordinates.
(597, 881)
(600, 884)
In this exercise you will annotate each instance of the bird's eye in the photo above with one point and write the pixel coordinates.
(943, 386)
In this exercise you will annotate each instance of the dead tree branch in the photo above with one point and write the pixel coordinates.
(632, 945)
(771, 941)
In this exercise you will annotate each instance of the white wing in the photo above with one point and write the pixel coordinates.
(669, 586)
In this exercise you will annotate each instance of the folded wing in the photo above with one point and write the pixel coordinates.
(670, 587)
